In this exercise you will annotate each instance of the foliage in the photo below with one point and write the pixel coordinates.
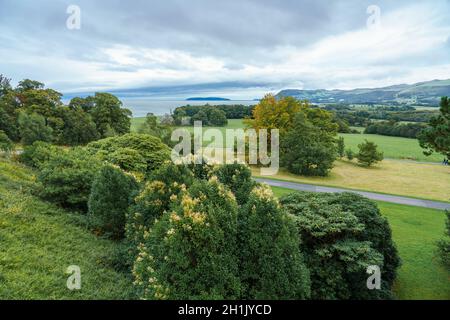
(339, 243)
(437, 136)
(6, 145)
(237, 177)
(135, 152)
(154, 198)
(66, 178)
(208, 115)
(340, 143)
(271, 113)
(368, 153)
(38, 153)
(230, 111)
(391, 128)
(109, 116)
(159, 129)
(32, 112)
(377, 230)
(349, 154)
(444, 244)
(78, 128)
(190, 252)
(109, 201)
(306, 149)
(271, 265)
(32, 128)
(8, 119)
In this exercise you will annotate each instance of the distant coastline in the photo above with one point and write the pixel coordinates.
(207, 99)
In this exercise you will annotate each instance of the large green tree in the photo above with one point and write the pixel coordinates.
(109, 116)
(306, 148)
(436, 138)
(33, 128)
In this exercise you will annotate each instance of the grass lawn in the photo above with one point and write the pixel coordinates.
(415, 231)
(136, 123)
(232, 124)
(392, 147)
(38, 241)
(427, 181)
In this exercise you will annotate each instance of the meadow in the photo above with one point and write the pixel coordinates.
(415, 231)
(392, 147)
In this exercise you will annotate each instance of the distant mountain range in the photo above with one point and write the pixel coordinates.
(428, 93)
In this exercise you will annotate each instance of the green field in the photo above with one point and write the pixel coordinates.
(39, 241)
(232, 124)
(392, 147)
(415, 231)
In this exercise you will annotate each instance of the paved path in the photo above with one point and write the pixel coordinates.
(371, 195)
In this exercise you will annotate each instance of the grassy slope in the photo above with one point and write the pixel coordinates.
(427, 181)
(38, 241)
(415, 231)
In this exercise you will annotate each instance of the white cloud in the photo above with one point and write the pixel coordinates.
(411, 46)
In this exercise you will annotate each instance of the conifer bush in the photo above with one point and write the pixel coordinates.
(66, 178)
(271, 265)
(109, 201)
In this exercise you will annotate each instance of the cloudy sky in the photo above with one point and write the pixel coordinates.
(238, 49)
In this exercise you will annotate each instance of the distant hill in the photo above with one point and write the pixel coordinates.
(429, 93)
(207, 99)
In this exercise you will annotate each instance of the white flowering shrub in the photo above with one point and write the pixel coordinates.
(190, 252)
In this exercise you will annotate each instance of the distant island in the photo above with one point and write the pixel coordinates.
(207, 99)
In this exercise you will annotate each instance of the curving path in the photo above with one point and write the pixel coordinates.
(371, 195)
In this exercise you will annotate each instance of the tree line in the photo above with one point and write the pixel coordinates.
(392, 128)
(30, 112)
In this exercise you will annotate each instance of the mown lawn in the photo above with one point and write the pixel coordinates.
(38, 241)
(415, 231)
